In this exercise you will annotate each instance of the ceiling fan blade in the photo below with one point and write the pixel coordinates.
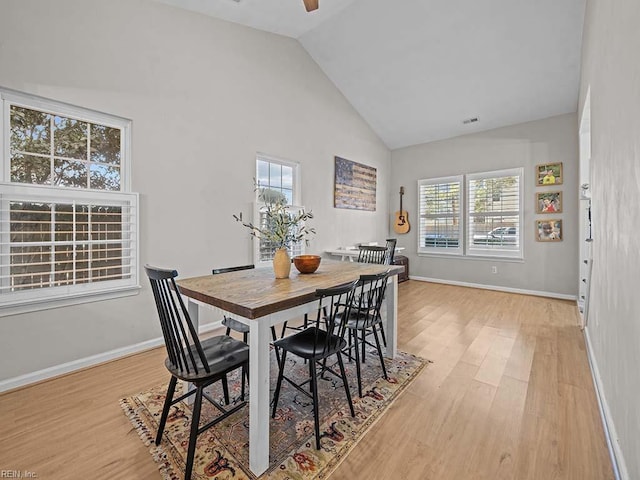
(310, 5)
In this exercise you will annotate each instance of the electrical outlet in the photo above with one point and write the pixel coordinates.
(494, 269)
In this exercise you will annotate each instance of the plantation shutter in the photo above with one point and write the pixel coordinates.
(440, 207)
(495, 211)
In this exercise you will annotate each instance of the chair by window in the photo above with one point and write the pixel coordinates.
(391, 251)
(324, 339)
(372, 254)
(200, 362)
(364, 319)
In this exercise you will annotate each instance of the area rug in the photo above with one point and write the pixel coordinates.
(222, 452)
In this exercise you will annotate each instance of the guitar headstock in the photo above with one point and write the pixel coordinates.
(401, 190)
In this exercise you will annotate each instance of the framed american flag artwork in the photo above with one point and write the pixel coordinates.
(355, 185)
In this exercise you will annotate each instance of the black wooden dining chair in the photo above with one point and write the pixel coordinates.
(201, 363)
(372, 254)
(364, 319)
(376, 254)
(233, 324)
(324, 339)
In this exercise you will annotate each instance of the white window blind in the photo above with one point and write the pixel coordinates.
(440, 207)
(56, 245)
(495, 213)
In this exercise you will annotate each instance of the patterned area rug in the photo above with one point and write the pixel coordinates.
(223, 451)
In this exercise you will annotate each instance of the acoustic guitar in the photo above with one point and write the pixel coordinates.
(401, 224)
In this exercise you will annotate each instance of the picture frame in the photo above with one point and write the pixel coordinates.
(549, 202)
(549, 174)
(355, 185)
(549, 230)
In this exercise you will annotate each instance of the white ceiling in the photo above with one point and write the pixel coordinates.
(415, 69)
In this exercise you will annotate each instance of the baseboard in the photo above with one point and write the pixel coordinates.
(617, 458)
(561, 296)
(75, 365)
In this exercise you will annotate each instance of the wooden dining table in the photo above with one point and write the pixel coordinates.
(256, 298)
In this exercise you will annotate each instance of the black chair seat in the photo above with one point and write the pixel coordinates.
(311, 343)
(235, 325)
(359, 323)
(222, 354)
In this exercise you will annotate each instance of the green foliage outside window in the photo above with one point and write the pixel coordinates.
(48, 149)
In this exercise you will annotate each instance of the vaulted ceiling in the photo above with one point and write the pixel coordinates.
(417, 69)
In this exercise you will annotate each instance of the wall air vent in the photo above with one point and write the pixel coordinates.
(470, 120)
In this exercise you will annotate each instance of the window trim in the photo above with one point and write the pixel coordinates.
(296, 191)
(10, 97)
(258, 204)
(448, 251)
(43, 299)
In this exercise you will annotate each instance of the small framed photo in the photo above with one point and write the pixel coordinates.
(549, 174)
(549, 230)
(549, 202)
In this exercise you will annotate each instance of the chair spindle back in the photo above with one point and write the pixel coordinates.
(334, 305)
(372, 254)
(368, 297)
(391, 250)
(180, 336)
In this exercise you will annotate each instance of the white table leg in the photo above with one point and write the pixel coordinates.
(259, 415)
(193, 309)
(390, 313)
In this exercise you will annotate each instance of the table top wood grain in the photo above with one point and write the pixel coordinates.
(256, 293)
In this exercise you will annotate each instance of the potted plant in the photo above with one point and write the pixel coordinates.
(280, 227)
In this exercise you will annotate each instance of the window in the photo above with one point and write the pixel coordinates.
(68, 223)
(278, 176)
(440, 207)
(277, 180)
(494, 213)
(487, 224)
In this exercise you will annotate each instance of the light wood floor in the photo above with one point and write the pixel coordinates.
(509, 396)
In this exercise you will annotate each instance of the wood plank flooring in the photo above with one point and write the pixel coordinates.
(509, 396)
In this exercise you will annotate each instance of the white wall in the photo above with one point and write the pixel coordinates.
(611, 67)
(204, 96)
(550, 268)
